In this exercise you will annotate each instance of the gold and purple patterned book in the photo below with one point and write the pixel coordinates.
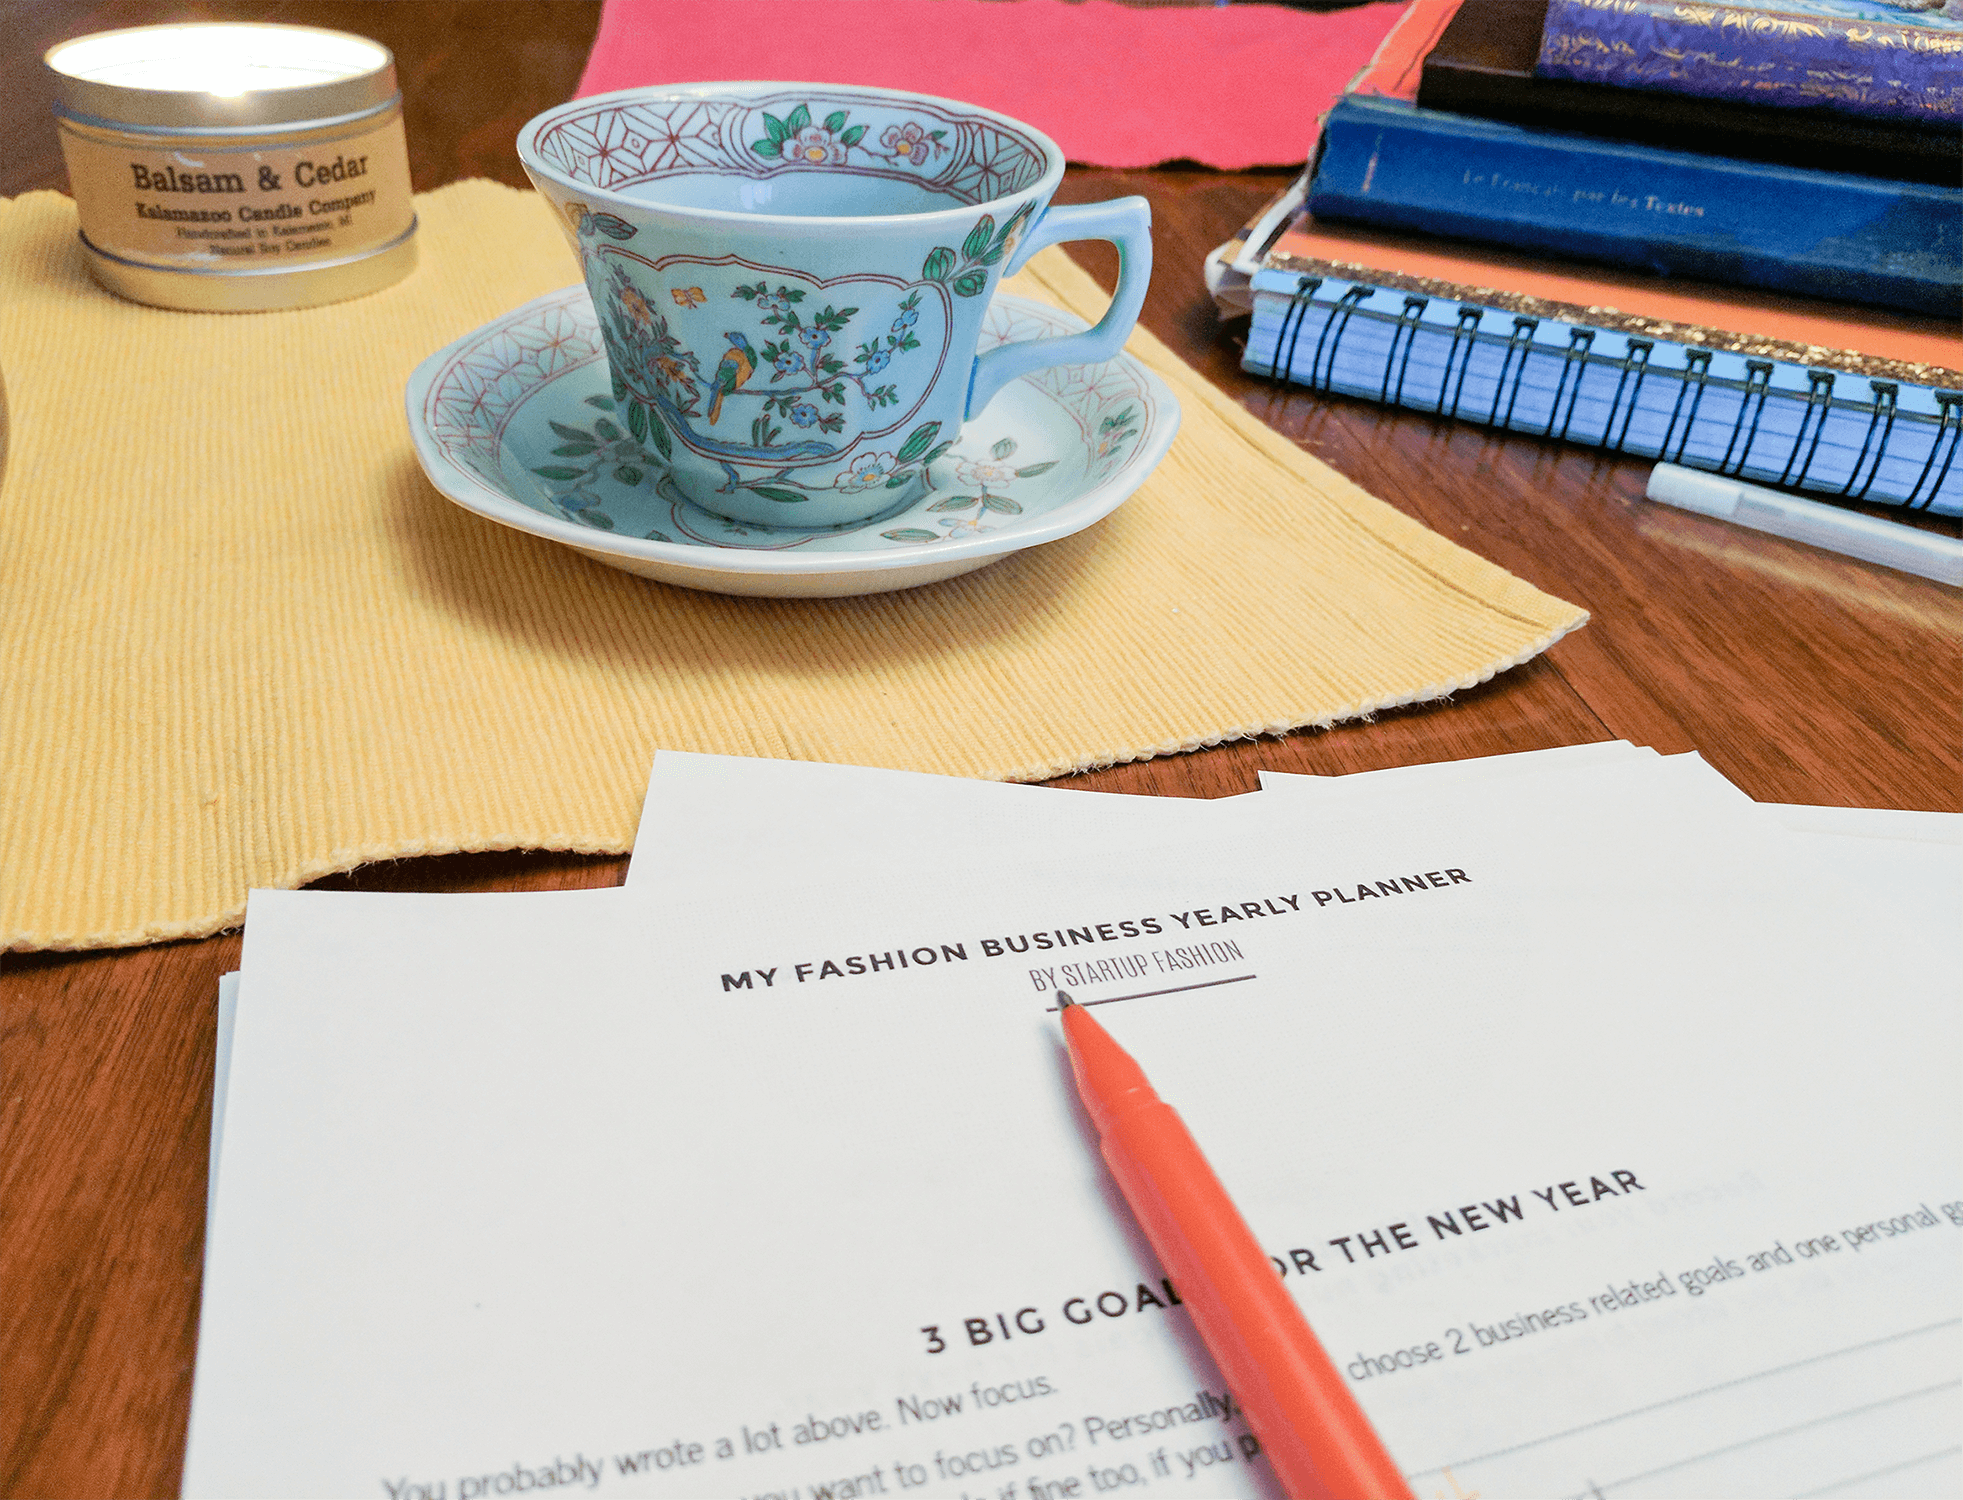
(1891, 59)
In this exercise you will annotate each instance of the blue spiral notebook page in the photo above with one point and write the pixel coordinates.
(1832, 433)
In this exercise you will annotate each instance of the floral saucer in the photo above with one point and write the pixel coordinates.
(516, 421)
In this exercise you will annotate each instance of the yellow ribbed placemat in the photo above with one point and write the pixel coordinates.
(244, 643)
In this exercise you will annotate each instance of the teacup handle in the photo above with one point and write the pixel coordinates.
(1127, 224)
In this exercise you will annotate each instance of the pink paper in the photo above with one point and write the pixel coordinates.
(1114, 85)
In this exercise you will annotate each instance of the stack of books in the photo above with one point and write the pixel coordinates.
(1785, 274)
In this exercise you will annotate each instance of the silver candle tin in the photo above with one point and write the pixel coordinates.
(224, 167)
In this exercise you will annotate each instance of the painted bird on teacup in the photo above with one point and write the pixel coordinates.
(733, 371)
(804, 373)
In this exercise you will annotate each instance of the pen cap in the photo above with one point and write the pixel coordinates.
(1867, 537)
(1686, 489)
(1830, 527)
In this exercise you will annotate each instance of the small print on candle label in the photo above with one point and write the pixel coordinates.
(242, 208)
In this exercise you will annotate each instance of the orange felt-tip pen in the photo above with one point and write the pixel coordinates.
(1317, 1438)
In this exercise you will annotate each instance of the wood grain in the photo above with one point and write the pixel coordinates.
(1802, 676)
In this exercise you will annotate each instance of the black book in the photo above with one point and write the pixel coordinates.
(1483, 65)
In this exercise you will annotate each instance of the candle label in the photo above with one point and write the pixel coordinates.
(197, 207)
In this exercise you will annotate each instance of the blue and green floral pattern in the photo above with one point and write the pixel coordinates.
(795, 400)
(526, 405)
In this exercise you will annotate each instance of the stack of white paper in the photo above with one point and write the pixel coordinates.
(1602, 1121)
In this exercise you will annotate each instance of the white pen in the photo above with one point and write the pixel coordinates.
(1847, 532)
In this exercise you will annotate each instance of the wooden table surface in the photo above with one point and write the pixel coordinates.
(1802, 676)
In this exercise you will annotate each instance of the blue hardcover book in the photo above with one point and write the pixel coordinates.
(1888, 59)
(1821, 234)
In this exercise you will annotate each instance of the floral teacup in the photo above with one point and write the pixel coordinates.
(790, 279)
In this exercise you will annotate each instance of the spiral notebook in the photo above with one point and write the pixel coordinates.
(1844, 402)
(1836, 433)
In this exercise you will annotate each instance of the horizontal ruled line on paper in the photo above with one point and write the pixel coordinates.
(1782, 1432)
(1900, 1468)
(1177, 989)
(1725, 1385)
